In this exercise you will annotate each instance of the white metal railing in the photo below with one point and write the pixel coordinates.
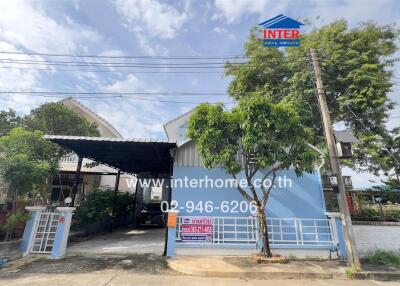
(70, 158)
(45, 231)
(281, 231)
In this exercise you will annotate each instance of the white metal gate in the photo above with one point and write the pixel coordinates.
(45, 231)
(281, 231)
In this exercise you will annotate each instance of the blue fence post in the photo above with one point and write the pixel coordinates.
(171, 224)
(30, 228)
(62, 232)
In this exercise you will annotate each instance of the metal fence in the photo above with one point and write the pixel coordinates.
(281, 231)
(45, 231)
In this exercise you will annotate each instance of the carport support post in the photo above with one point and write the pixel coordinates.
(62, 232)
(116, 186)
(76, 180)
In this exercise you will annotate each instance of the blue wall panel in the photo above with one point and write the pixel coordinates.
(303, 200)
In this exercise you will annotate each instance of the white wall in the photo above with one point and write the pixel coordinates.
(372, 237)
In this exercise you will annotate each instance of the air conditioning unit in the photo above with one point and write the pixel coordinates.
(333, 181)
(344, 150)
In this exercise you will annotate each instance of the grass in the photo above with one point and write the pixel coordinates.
(350, 272)
(382, 257)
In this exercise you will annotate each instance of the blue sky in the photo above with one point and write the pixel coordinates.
(149, 27)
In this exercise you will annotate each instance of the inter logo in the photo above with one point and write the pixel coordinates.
(281, 31)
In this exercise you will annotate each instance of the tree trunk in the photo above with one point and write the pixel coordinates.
(266, 250)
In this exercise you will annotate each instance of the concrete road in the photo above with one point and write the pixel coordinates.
(123, 241)
(123, 278)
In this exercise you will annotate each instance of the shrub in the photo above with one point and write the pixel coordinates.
(382, 257)
(373, 213)
(99, 204)
(11, 223)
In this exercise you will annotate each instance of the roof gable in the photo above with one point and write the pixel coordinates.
(281, 22)
(106, 129)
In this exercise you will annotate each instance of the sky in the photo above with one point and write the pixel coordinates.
(120, 28)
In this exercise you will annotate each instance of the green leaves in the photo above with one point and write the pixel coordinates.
(26, 160)
(216, 133)
(356, 71)
(268, 133)
(56, 119)
(98, 204)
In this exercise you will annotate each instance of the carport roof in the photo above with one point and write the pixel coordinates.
(135, 156)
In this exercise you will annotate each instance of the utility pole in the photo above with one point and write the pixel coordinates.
(335, 165)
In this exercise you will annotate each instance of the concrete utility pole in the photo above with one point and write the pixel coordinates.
(335, 165)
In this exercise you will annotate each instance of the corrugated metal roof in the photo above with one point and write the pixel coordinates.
(345, 136)
(134, 156)
(107, 139)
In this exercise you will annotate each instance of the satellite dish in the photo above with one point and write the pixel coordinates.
(68, 200)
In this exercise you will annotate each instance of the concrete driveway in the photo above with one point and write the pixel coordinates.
(123, 241)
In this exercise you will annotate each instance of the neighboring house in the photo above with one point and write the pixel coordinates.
(92, 177)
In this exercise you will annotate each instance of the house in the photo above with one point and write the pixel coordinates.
(93, 176)
(212, 216)
(296, 211)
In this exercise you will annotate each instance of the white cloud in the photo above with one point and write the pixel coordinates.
(25, 24)
(223, 31)
(150, 48)
(16, 80)
(159, 19)
(232, 10)
(352, 10)
(131, 116)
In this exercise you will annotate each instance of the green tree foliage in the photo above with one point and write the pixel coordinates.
(382, 153)
(269, 136)
(26, 161)
(8, 120)
(356, 70)
(56, 119)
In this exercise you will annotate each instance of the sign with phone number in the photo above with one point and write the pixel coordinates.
(197, 229)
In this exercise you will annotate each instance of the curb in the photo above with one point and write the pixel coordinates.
(257, 275)
(378, 276)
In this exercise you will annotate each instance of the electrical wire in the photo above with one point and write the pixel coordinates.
(124, 57)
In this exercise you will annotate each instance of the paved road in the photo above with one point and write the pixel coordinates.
(111, 278)
(125, 241)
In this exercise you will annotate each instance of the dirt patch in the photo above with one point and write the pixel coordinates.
(140, 263)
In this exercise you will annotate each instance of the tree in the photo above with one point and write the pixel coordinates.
(8, 120)
(56, 119)
(269, 136)
(383, 154)
(355, 69)
(26, 161)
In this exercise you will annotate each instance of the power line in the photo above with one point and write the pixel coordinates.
(26, 61)
(118, 93)
(125, 97)
(124, 57)
(114, 71)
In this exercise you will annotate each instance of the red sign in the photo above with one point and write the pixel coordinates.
(196, 229)
(61, 219)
